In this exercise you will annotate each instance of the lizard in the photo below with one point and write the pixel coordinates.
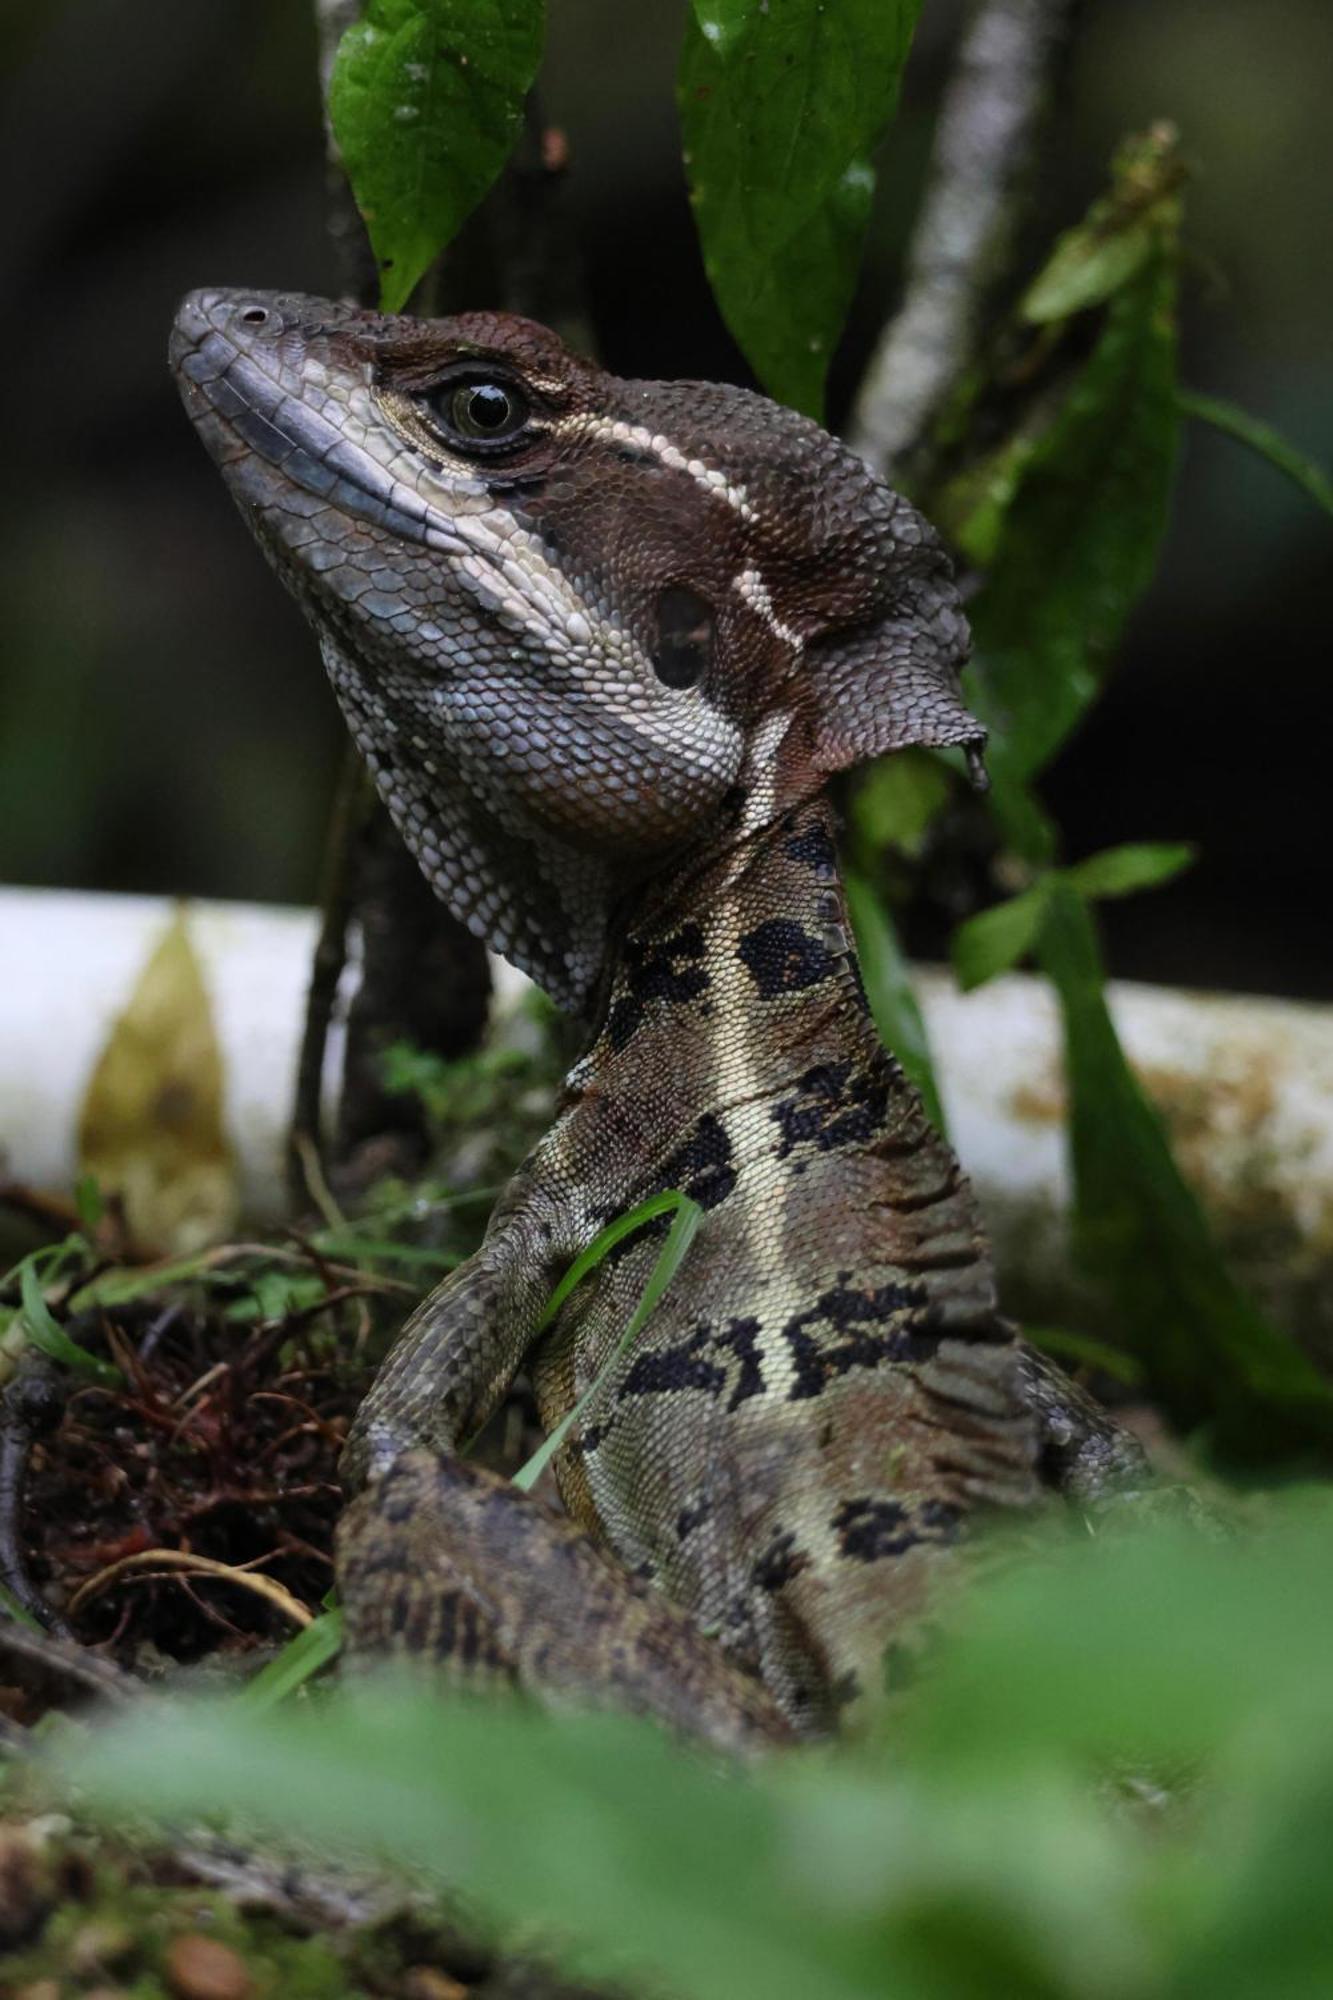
(603, 644)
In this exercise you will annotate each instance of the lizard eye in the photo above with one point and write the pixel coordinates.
(479, 411)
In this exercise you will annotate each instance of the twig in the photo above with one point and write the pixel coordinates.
(335, 907)
(267, 1587)
(44, 1656)
(31, 1406)
(353, 257)
(989, 121)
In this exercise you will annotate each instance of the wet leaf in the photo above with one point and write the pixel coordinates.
(781, 107)
(151, 1127)
(425, 102)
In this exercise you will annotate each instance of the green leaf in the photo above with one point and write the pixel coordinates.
(998, 938)
(425, 102)
(1107, 248)
(1208, 1353)
(272, 1295)
(1161, 1643)
(893, 1004)
(1084, 269)
(44, 1332)
(1116, 1773)
(781, 106)
(971, 507)
(11, 1608)
(898, 798)
(594, 1834)
(88, 1201)
(1120, 871)
(300, 1658)
(349, 1246)
(994, 941)
(686, 1216)
(1312, 479)
(1080, 535)
(122, 1285)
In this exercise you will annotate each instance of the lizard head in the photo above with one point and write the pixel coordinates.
(577, 624)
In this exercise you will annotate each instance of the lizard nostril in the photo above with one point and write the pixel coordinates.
(254, 316)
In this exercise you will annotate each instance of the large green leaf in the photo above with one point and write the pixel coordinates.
(593, 1836)
(1209, 1355)
(1079, 539)
(425, 101)
(781, 105)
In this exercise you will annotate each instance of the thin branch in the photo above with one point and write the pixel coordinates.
(358, 278)
(989, 122)
(34, 1658)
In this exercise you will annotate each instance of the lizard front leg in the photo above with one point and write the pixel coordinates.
(446, 1564)
(453, 1362)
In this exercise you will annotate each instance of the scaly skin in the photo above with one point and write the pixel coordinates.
(602, 664)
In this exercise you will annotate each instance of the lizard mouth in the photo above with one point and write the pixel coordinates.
(282, 391)
(243, 362)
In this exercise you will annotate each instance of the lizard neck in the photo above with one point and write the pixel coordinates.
(747, 942)
(735, 1040)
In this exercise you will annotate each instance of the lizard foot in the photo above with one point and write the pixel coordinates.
(446, 1564)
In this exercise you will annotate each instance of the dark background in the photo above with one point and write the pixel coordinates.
(164, 722)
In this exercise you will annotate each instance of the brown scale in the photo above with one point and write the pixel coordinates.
(602, 644)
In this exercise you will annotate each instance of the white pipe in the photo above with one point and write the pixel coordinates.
(1246, 1084)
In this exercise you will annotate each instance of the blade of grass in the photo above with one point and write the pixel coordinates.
(11, 1608)
(44, 1332)
(615, 1232)
(685, 1221)
(300, 1659)
(354, 1249)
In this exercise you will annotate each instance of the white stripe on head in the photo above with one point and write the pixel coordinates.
(613, 430)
